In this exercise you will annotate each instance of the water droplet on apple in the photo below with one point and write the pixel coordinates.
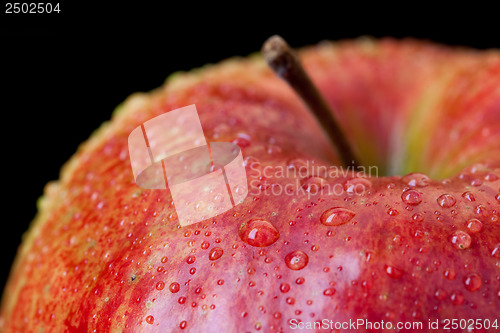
(183, 324)
(357, 186)
(174, 287)
(474, 225)
(397, 239)
(411, 197)
(273, 149)
(457, 298)
(215, 253)
(290, 300)
(469, 196)
(392, 212)
(160, 285)
(417, 217)
(481, 211)
(497, 197)
(150, 320)
(336, 216)
(284, 287)
(251, 161)
(205, 245)
(472, 282)
(243, 140)
(366, 284)
(446, 201)
(461, 240)
(313, 184)
(476, 182)
(199, 206)
(496, 251)
(416, 179)
(393, 271)
(300, 167)
(218, 197)
(238, 189)
(440, 294)
(418, 234)
(491, 177)
(296, 260)
(300, 280)
(329, 292)
(369, 255)
(450, 274)
(190, 259)
(172, 217)
(258, 233)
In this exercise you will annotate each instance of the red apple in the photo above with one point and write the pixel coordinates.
(106, 256)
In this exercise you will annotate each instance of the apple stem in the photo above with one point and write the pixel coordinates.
(286, 64)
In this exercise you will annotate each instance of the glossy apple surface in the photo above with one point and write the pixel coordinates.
(106, 256)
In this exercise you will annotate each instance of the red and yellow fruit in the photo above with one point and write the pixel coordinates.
(104, 255)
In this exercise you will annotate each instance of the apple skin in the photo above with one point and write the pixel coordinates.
(103, 255)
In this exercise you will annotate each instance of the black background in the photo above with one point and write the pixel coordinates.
(63, 74)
